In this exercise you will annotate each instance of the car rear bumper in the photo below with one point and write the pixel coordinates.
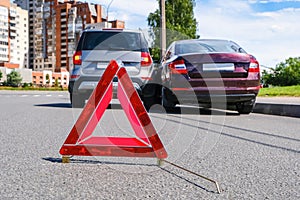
(210, 97)
(86, 85)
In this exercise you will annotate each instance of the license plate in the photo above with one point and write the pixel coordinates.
(102, 65)
(218, 67)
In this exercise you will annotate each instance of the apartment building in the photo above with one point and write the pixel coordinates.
(13, 35)
(50, 78)
(79, 15)
(55, 27)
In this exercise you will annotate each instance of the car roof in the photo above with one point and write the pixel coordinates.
(191, 40)
(95, 29)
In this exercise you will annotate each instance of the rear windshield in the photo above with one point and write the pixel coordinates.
(114, 41)
(207, 46)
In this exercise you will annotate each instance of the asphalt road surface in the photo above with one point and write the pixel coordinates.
(252, 156)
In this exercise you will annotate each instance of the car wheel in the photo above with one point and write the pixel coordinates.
(149, 102)
(245, 107)
(77, 101)
(165, 99)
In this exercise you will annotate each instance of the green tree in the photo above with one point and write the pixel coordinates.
(47, 78)
(180, 23)
(14, 79)
(286, 73)
(1, 75)
(56, 83)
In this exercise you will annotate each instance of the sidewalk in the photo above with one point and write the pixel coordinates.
(284, 106)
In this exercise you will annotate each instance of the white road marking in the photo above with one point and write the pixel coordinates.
(32, 95)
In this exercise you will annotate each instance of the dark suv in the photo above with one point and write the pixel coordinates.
(96, 48)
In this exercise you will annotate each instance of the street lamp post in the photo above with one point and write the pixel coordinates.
(108, 10)
(162, 28)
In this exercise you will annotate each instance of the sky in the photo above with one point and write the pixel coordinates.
(268, 29)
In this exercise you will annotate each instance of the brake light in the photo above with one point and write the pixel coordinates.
(112, 29)
(146, 59)
(77, 58)
(74, 76)
(178, 67)
(254, 65)
(75, 73)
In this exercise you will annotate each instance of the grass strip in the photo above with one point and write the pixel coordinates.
(33, 88)
(292, 91)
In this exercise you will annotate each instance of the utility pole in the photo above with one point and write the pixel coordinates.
(163, 42)
(108, 10)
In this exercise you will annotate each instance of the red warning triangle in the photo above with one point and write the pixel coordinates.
(80, 141)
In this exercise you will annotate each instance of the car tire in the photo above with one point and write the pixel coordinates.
(77, 101)
(165, 99)
(245, 107)
(149, 102)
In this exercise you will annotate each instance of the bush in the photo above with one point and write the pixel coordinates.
(14, 79)
(26, 85)
(285, 74)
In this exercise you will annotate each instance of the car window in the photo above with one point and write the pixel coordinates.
(169, 53)
(114, 41)
(195, 47)
(207, 46)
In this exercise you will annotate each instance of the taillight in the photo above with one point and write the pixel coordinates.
(178, 67)
(254, 65)
(77, 58)
(75, 73)
(146, 59)
(74, 76)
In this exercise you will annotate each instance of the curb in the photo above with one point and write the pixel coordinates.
(291, 110)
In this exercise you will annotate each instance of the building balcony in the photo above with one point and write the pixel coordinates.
(50, 32)
(38, 32)
(13, 34)
(71, 36)
(46, 15)
(39, 15)
(13, 28)
(13, 13)
(70, 53)
(38, 9)
(46, 9)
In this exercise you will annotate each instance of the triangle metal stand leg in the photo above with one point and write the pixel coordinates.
(161, 161)
(65, 159)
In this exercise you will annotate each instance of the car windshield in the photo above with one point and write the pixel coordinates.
(114, 41)
(207, 46)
